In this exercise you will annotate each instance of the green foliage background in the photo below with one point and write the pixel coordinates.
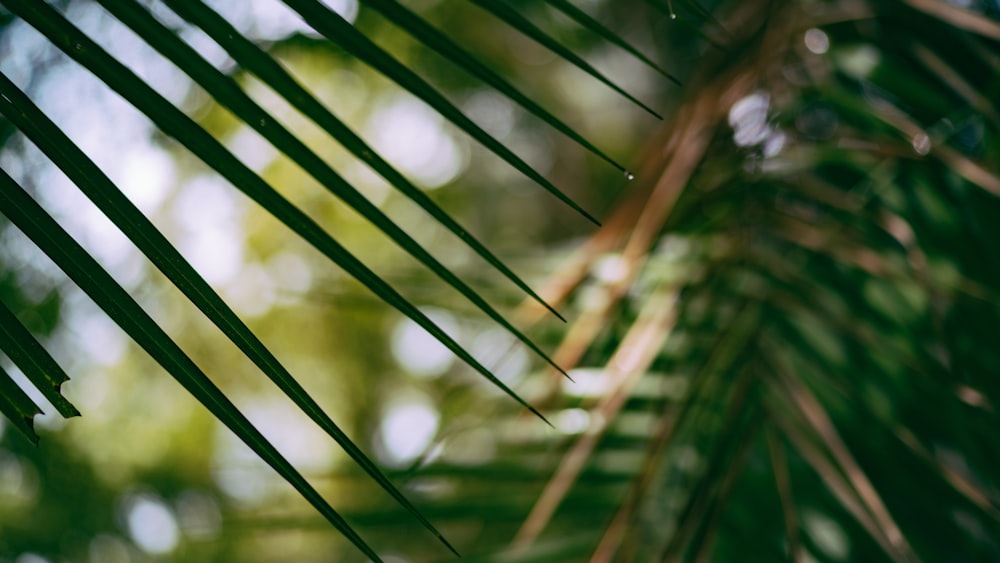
(781, 340)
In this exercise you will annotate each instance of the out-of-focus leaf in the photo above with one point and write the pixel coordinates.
(584, 19)
(666, 7)
(959, 17)
(630, 361)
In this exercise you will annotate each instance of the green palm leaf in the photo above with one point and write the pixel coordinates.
(336, 29)
(43, 230)
(18, 407)
(256, 60)
(40, 368)
(597, 27)
(824, 206)
(229, 95)
(19, 109)
(438, 41)
(173, 122)
(782, 342)
(514, 19)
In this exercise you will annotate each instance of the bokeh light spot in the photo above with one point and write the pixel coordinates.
(420, 353)
(817, 41)
(410, 134)
(407, 429)
(151, 524)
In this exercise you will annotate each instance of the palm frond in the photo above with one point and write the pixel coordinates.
(336, 29)
(804, 232)
(597, 27)
(18, 206)
(513, 18)
(34, 361)
(822, 206)
(780, 342)
(254, 59)
(112, 298)
(117, 207)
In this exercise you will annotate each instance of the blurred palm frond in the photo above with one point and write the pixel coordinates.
(782, 341)
(53, 22)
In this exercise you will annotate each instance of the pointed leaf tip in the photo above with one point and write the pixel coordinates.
(545, 420)
(556, 313)
(449, 546)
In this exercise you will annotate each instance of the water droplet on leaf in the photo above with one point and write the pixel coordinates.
(629, 175)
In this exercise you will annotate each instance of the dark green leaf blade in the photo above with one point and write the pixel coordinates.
(706, 15)
(43, 230)
(338, 30)
(227, 92)
(584, 19)
(508, 14)
(256, 60)
(38, 366)
(18, 407)
(99, 189)
(430, 36)
(667, 9)
(178, 125)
